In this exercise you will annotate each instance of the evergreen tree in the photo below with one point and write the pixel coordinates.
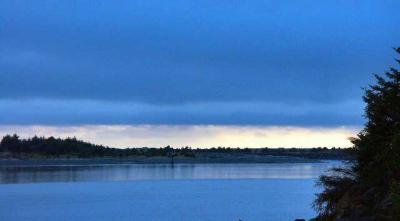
(372, 183)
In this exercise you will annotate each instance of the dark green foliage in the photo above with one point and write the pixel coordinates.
(377, 146)
(10, 143)
(335, 187)
(395, 196)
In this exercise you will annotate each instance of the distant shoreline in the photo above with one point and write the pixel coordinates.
(70, 151)
(157, 160)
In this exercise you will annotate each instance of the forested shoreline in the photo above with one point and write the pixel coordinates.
(12, 146)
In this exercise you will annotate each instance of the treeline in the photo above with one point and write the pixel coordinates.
(14, 146)
(312, 153)
(72, 147)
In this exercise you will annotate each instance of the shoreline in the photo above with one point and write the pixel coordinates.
(157, 160)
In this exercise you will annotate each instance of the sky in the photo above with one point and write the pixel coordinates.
(198, 73)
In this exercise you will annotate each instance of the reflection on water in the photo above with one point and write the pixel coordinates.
(118, 172)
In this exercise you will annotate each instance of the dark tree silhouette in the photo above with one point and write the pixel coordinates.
(370, 187)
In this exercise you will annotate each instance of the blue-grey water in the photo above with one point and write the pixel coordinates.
(160, 192)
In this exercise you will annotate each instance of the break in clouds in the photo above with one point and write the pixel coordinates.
(195, 135)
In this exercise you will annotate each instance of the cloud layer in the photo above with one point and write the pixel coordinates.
(299, 63)
(78, 112)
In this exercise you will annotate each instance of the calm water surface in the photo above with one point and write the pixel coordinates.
(160, 192)
(121, 172)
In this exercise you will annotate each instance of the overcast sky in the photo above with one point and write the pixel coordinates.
(231, 64)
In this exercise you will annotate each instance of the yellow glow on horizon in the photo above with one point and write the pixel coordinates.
(195, 135)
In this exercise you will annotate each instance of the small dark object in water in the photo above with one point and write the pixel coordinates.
(299, 220)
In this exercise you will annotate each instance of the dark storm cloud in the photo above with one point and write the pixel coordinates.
(184, 53)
